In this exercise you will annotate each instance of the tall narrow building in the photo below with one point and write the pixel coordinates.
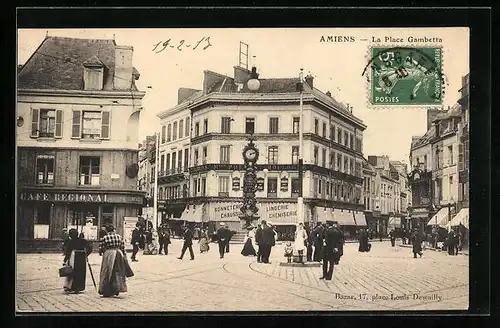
(78, 112)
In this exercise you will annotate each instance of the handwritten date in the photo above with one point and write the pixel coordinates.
(162, 45)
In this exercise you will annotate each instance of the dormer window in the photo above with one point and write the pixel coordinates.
(93, 76)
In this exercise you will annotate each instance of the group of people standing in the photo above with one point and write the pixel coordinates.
(114, 266)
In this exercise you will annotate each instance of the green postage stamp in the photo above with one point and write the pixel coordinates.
(408, 76)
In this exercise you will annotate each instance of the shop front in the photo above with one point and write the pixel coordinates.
(282, 215)
(43, 214)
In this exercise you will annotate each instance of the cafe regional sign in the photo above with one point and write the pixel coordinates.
(80, 197)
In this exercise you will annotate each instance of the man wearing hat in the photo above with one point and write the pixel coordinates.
(223, 235)
(332, 245)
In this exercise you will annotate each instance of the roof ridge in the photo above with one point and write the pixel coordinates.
(72, 38)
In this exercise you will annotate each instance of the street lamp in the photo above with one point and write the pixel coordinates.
(253, 84)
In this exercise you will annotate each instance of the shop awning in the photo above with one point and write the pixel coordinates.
(461, 218)
(440, 218)
(187, 213)
(394, 222)
(197, 214)
(344, 218)
(321, 214)
(360, 219)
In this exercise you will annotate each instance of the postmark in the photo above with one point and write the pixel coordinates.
(405, 76)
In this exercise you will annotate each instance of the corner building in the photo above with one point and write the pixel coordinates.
(77, 135)
(223, 115)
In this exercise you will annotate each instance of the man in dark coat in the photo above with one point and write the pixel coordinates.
(332, 243)
(223, 235)
(258, 236)
(188, 243)
(392, 235)
(136, 240)
(363, 241)
(416, 240)
(318, 242)
(267, 241)
(309, 244)
(163, 239)
(451, 242)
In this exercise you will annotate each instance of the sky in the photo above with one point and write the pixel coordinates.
(277, 53)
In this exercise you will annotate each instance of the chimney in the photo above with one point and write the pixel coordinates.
(123, 67)
(309, 80)
(241, 75)
(328, 93)
(372, 160)
(432, 113)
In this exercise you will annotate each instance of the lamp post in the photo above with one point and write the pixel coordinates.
(300, 199)
(250, 156)
(451, 203)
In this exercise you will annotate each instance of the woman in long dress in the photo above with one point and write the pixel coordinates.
(114, 266)
(300, 241)
(76, 251)
(248, 248)
(203, 241)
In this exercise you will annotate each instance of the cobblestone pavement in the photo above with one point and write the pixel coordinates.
(386, 279)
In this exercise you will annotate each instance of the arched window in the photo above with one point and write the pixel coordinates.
(160, 193)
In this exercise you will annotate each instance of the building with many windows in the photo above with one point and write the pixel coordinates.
(225, 113)
(77, 134)
(463, 146)
(434, 179)
(382, 194)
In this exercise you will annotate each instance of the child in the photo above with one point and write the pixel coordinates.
(288, 251)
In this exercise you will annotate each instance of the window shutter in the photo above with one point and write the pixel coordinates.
(76, 124)
(105, 123)
(59, 124)
(35, 119)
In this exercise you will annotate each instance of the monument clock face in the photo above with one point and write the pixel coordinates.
(250, 154)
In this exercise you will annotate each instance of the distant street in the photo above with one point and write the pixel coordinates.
(385, 279)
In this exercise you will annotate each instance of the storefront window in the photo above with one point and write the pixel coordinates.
(82, 214)
(107, 214)
(84, 218)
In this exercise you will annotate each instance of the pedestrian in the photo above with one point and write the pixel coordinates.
(460, 241)
(318, 242)
(135, 241)
(456, 243)
(114, 268)
(267, 241)
(223, 235)
(392, 235)
(364, 245)
(76, 250)
(248, 249)
(203, 241)
(188, 243)
(416, 241)
(332, 239)
(300, 241)
(451, 243)
(164, 239)
(309, 244)
(258, 237)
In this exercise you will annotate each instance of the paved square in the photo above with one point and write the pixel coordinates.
(386, 279)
